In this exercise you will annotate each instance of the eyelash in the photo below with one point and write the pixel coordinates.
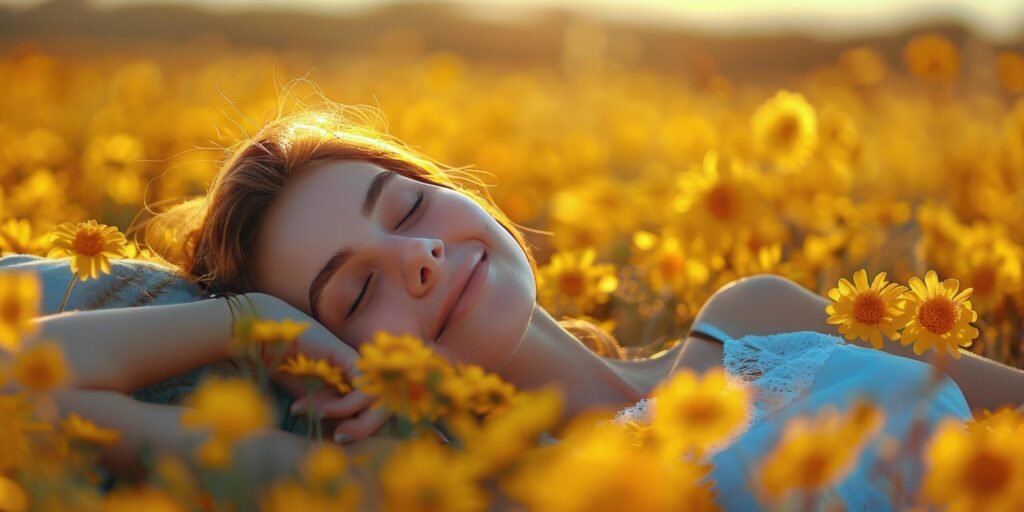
(415, 206)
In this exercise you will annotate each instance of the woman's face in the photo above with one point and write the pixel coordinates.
(363, 249)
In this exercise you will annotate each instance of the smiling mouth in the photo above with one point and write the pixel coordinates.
(444, 324)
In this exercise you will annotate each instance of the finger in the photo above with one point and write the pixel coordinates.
(348, 405)
(361, 426)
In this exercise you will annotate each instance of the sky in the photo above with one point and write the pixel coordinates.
(997, 19)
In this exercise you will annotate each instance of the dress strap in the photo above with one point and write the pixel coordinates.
(707, 331)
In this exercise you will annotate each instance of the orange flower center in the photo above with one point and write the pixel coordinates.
(869, 308)
(11, 311)
(984, 279)
(786, 130)
(986, 474)
(702, 410)
(572, 283)
(671, 264)
(722, 202)
(88, 242)
(937, 314)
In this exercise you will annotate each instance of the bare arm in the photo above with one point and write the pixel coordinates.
(126, 348)
(766, 304)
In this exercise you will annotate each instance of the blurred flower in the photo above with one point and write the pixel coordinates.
(90, 245)
(142, 498)
(81, 430)
(19, 305)
(864, 65)
(1010, 68)
(937, 316)
(977, 469)
(404, 373)
(315, 372)
(819, 451)
(231, 409)
(16, 238)
(288, 496)
(667, 266)
(16, 428)
(283, 332)
(12, 496)
(509, 432)
(324, 464)
(424, 476)
(700, 413)
(866, 311)
(933, 58)
(41, 368)
(719, 200)
(471, 389)
(785, 129)
(571, 284)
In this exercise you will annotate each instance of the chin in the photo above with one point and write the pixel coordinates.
(498, 325)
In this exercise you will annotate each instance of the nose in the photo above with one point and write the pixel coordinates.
(423, 264)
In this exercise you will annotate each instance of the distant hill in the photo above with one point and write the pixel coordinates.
(63, 25)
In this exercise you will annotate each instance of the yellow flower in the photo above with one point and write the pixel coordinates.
(990, 263)
(41, 368)
(230, 408)
(81, 430)
(143, 498)
(719, 200)
(596, 470)
(571, 284)
(701, 413)
(1010, 67)
(667, 265)
(785, 130)
(473, 390)
(937, 316)
(284, 332)
(16, 411)
(864, 65)
(16, 238)
(817, 452)
(12, 496)
(404, 373)
(866, 311)
(932, 57)
(289, 496)
(19, 304)
(90, 245)
(318, 370)
(324, 464)
(1005, 417)
(424, 476)
(978, 469)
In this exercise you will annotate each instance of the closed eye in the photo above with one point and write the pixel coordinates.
(360, 297)
(415, 206)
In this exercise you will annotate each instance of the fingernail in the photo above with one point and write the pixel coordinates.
(295, 409)
(341, 437)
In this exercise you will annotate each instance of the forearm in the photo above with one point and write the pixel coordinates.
(264, 457)
(123, 349)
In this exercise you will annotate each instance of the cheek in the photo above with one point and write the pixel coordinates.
(390, 313)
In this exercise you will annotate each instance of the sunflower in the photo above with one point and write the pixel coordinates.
(785, 130)
(975, 469)
(866, 312)
(933, 58)
(719, 200)
(937, 315)
(571, 284)
(90, 245)
(316, 370)
(41, 368)
(700, 412)
(424, 476)
(404, 373)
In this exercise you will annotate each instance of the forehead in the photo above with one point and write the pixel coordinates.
(317, 213)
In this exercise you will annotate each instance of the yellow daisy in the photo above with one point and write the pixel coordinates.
(16, 238)
(404, 373)
(19, 304)
(572, 284)
(90, 245)
(937, 316)
(699, 413)
(974, 469)
(41, 368)
(866, 312)
(231, 408)
(785, 130)
(81, 430)
(273, 332)
(316, 369)
(424, 476)
(719, 200)
(933, 58)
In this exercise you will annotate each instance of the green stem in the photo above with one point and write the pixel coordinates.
(67, 293)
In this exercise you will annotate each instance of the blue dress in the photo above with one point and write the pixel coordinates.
(798, 373)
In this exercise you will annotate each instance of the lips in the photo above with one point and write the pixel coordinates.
(459, 283)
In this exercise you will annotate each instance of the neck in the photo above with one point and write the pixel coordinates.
(548, 354)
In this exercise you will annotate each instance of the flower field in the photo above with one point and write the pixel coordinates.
(892, 187)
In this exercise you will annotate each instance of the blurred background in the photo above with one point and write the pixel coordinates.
(669, 147)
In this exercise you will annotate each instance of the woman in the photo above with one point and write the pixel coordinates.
(314, 219)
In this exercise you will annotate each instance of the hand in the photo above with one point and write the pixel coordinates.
(356, 418)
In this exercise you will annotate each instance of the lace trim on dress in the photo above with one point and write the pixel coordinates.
(779, 367)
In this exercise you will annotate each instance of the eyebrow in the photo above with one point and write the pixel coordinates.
(373, 193)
